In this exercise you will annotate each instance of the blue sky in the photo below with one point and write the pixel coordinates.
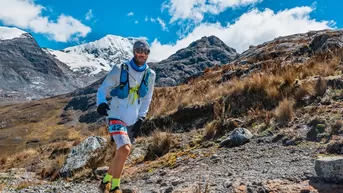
(168, 25)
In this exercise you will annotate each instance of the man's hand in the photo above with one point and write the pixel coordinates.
(136, 130)
(102, 109)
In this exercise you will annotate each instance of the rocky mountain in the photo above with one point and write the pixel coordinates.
(287, 50)
(96, 57)
(292, 49)
(276, 127)
(192, 60)
(27, 71)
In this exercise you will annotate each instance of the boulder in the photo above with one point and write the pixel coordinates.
(80, 155)
(238, 136)
(330, 168)
(101, 170)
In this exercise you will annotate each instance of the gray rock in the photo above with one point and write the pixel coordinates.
(16, 139)
(330, 168)
(3, 137)
(129, 190)
(101, 170)
(227, 183)
(169, 190)
(81, 154)
(238, 136)
(177, 181)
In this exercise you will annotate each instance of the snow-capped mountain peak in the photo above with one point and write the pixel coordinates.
(8, 33)
(100, 55)
(111, 42)
(81, 62)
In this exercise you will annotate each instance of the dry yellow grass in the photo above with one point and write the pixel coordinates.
(25, 154)
(320, 86)
(26, 184)
(161, 143)
(75, 135)
(18, 159)
(302, 90)
(3, 160)
(82, 174)
(51, 168)
(31, 120)
(210, 130)
(284, 112)
(275, 81)
(336, 127)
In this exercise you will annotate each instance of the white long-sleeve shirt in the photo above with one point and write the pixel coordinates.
(124, 109)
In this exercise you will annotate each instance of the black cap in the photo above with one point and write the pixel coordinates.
(141, 44)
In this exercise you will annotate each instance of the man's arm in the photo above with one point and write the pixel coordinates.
(108, 83)
(146, 100)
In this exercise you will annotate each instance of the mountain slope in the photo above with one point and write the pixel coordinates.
(293, 48)
(26, 70)
(191, 61)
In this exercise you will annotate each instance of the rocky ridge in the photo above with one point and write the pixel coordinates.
(287, 50)
(27, 71)
(192, 60)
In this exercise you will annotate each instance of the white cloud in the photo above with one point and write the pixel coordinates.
(146, 18)
(159, 20)
(136, 22)
(252, 28)
(195, 9)
(89, 15)
(162, 23)
(27, 15)
(130, 14)
(66, 28)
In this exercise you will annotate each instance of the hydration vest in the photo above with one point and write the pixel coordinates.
(122, 91)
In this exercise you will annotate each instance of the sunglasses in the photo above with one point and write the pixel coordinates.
(142, 51)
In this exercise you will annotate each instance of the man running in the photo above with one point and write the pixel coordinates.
(131, 87)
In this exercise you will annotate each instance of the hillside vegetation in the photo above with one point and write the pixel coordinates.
(292, 104)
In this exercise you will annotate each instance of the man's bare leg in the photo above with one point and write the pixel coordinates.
(117, 164)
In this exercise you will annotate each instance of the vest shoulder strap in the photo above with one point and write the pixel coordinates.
(143, 87)
(146, 76)
(124, 75)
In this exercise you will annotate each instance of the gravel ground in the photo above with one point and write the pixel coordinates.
(252, 165)
(258, 166)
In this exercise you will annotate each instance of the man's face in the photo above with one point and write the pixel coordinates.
(141, 55)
